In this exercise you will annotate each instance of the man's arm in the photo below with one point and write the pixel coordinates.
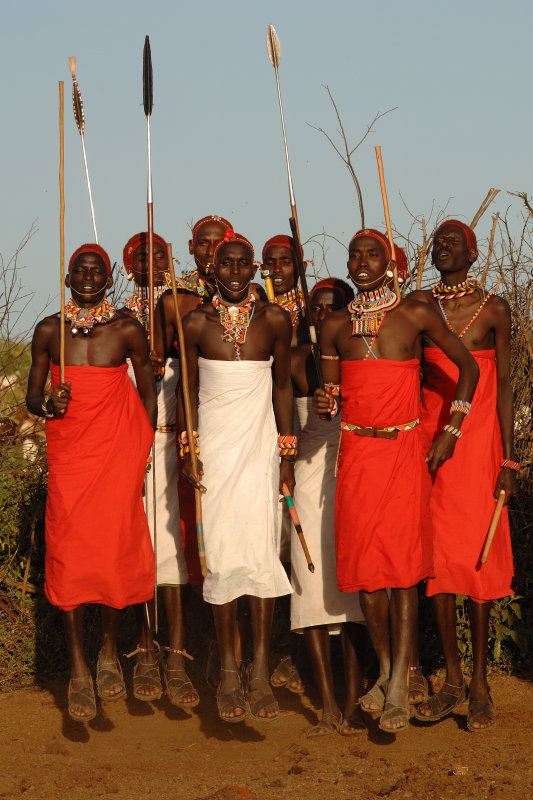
(504, 398)
(282, 394)
(323, 400)
(142, 366)
(192, 325)
(58, 401)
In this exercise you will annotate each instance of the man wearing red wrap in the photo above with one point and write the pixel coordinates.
(462, 499)
(99, 431)
(382, 529)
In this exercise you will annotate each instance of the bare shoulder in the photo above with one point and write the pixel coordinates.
(422, 295)
(276, 316)
(498, 312)
(335, 320)
(417, 309)
(46, 327)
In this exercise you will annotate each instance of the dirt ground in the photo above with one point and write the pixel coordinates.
(138, 750)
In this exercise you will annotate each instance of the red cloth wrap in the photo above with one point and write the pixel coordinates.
(382, 525)
(91, 248)
(132, 244)
(462, 500)
(98, 547)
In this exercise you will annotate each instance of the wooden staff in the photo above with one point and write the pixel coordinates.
(387, 219)
(298, 525)
(148, 102)
(493, 525)
(61, 237)
(79, 117)
(188, 416)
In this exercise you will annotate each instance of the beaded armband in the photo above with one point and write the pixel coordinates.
(288, 445)
(184, 443)
(510, 464)
(461, 405)
(47, 414)
(329, 358)
(455, 431)
(335, 391)
(148, 464)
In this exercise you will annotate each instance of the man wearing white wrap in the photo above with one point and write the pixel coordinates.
(241, 397)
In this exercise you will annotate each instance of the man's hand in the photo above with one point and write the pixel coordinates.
(323, 402)
(506, 481)
(441, 450)
(60, 398)
(158, 366)
(189, 474)
(286, 475)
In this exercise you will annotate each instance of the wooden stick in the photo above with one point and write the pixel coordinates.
(298, 526)
(188, 416)
(491, 248)
(61, 238)
(387, 218)
(491, 194)
(493, 525)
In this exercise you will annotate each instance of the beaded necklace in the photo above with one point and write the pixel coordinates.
(293, 302)
(138, 303)
(87, 318)
(368, 310)
(192, 282)
(442, 292)
(235, 320)
(476, 314)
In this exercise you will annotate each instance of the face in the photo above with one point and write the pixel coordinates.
(323, 302)
(208, 236)
(234, 271)
(88, 280)
(450, 252)
(279, 259)
(367, 263)
(139, 266)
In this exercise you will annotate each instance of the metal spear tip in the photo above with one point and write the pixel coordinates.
(148, 89)
(273, 46)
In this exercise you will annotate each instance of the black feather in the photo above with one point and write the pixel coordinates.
(148, 86)
(77, 104)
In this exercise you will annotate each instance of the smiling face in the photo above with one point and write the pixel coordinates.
(202, 248)
(280, 260)
(139, 264)
(367, 263)
(450, 253)
(88, 280)
(234, 271)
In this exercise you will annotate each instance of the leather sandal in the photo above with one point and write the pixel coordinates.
(108, 675)
(452, 701)
(82, 696)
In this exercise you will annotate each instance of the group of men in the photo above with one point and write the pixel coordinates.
(419, 466)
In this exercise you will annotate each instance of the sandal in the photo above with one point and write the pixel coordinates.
(146, 675)
(82, 696)
(353, 725)
(176, 688)
(477, 709)
(452, 702)
(330, 723)
(108, 675)
(394, 713)
(377, 695)
(233, 699)
(260, 698)
(286, 674)
(417, 684)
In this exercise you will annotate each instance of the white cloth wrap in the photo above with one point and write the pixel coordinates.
(240, 456)
(316, 599)
(171, 564)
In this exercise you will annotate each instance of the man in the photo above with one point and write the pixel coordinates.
(383, 538)
(318, 608)
(484, 462)
(240, 389)
(171, 569)
(99, 433)
(279, 257)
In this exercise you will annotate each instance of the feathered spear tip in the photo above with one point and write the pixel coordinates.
(273, 46)
(148, 86)
(77, 102)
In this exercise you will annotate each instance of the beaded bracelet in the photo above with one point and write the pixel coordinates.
(510, 464)
(184, 443)
(288, 445)
(44, 406)
(461, 405)
(148, 464)
(335, 390)
(455, 431)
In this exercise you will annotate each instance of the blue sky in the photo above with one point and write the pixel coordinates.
(458, 74)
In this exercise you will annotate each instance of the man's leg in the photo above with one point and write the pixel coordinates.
(179, 687)
(403, 623)
(109, 676)
(352, 640)
(82, 705)
(229, 697)
(318, 647)
(146, 679)
(262, 702)
(479, 614)
(375, 607)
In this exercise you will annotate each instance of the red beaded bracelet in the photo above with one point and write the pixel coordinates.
(510, 464)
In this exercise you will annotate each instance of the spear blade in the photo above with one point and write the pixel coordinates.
(79, 118)
(273, 46)
(148, 86)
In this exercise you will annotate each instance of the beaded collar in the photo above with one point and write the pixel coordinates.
(442, 292)
(293, 302)
(368, 310)
(87, 318)
(235, 320)
(192, 282)
(138, 302)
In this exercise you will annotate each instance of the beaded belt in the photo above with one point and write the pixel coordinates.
(166, 428)
(390, 432)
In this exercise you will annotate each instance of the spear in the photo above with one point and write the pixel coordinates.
(187, 409)
(298, 525)
(387, 219)
(79, 116)
(148, 102)
(61, 238)
(493, 525)
(274, 54)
